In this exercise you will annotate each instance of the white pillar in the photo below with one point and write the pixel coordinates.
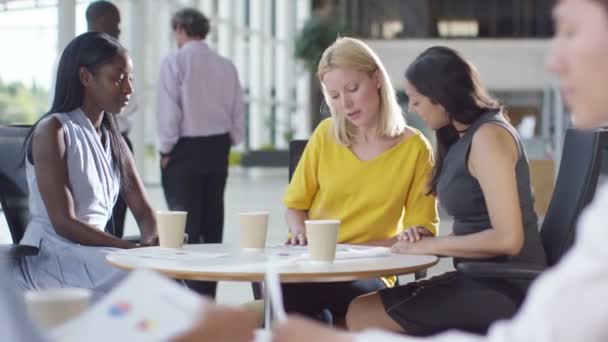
(285, 70)
(138, 55)
(225, 28)
(66, 23)
(240, 32)
(257, 78)
(206, 6)
(269, 70)
(302, 121)
(209, 11)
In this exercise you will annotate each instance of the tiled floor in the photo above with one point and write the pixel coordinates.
(248, 190)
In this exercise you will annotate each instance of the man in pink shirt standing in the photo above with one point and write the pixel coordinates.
(200, 114)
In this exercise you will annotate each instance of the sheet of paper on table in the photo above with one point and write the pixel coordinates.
(343, 252)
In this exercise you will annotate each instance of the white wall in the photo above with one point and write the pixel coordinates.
(505, 64)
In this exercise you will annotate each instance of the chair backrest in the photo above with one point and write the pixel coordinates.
(575, 187)
(13, 183)
(296, 148)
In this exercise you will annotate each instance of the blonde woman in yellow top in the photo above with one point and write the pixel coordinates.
(363, 166)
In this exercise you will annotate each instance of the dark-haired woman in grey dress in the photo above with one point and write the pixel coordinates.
(76, 164)
(481, 178)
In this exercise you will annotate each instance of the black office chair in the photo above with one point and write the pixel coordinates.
(575, 186)
(296, 149)
(14, 189)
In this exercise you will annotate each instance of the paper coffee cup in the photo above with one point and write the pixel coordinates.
(254, 228)
(171, 228)
(322, 236)
(52, 307)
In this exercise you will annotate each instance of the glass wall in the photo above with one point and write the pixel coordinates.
(257, 35)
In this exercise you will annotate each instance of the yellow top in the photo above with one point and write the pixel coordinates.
(374, 199)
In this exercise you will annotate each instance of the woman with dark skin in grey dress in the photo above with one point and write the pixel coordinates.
(76, 164)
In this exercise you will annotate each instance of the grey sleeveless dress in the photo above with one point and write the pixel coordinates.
(451, 300)
(94, 184)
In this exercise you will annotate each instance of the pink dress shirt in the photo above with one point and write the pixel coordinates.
(199, 94)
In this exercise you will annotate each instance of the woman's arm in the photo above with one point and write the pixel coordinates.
(135, 196)
(297, 230)
(492, 161)
(51, 174)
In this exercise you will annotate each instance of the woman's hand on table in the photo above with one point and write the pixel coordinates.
(414, 234)
(298, 329)
(221, 324)
(414, 240)
(297, 237)
(151, 240)
(422, 246)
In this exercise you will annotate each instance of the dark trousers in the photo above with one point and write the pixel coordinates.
(194, 181)
(327, 302)
(116, 224)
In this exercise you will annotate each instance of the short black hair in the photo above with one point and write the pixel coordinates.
(98, 9)
(192, 21)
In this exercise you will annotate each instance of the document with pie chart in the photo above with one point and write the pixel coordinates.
(144, 307)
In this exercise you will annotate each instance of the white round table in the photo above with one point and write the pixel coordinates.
(223, 262)
(216, 262)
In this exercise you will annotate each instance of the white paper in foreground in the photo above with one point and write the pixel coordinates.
(144, 307)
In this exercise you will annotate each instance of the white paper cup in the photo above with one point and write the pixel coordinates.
(51, 307)
(171, 228)
(322, 236)
(254, 228)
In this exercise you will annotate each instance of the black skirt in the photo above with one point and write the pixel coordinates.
(451, 301)
(311, 299)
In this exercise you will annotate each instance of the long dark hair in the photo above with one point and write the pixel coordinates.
(448, 79)
(90, 50)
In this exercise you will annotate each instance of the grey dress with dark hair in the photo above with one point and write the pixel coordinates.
(451, 300)
(94, 183)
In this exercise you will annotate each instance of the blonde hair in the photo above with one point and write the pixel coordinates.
(353, 54)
